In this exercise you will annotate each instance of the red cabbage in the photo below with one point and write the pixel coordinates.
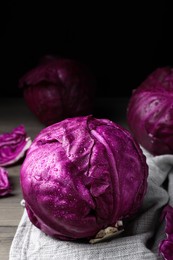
(166, 246)
(4, 182)
(58, 88)
(83, 175)
(150, 112)
(13, 145)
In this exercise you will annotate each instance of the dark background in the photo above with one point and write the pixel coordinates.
(121, 43)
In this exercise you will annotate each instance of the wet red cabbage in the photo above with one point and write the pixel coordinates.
(13, 145)
(58, 88)
(4, 182)
(150, 112)
(166, 246)
(82, 175)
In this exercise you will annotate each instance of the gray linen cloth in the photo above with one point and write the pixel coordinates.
(140, 239)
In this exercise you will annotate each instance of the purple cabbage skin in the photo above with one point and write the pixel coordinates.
(4, 182)
(58, 88)
(150, 112)
(82, 175)
(166, 246)
(13, 145)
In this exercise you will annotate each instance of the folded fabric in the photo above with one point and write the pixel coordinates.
(141, 237)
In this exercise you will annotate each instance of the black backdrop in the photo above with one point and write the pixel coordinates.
(121, 43)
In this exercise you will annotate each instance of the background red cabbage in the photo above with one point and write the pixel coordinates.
(166, 246)
(58, 88)
(150, 112)
(4, 182)
(13, 145)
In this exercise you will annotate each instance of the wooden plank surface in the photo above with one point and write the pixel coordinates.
(14, 112)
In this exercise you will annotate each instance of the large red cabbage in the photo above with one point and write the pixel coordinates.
(83, 175)
(150, 112)
(166, 246)
(58, 88)
(4, 182)
(13, 145)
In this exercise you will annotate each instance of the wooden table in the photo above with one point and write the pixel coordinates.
(13, 112)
